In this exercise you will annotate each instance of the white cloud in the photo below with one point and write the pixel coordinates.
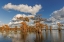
(16, 22)
(58, 14)
(22, 15)
(52, 19)
(23, 8)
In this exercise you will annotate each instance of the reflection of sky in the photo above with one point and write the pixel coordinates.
(0, 35)
(31, 37)
(4, 39)
(54, 35)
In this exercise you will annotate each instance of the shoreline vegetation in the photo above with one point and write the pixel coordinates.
(38, 27)
(25, 28)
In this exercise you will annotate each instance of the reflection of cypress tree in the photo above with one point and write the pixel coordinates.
(5, 35)
(46, 34)
(51, 37)
(15, 29)
(60, 35)
(23, 36)
(39, 37)
(6, 29)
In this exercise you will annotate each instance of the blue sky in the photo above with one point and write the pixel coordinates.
(48, 7)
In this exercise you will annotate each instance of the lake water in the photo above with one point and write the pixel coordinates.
(45, 36)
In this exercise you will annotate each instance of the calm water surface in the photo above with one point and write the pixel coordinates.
(45, 36)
